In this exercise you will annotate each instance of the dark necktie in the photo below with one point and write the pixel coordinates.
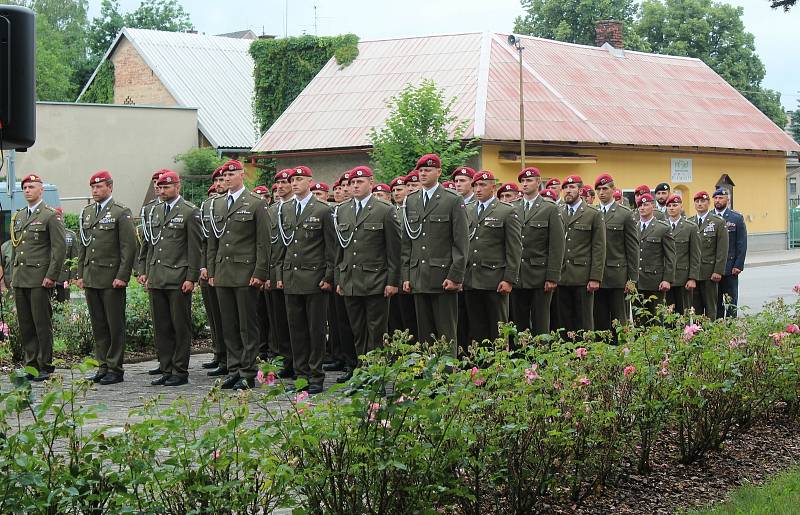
(358, 208)
(166, 210)
(230, 201)
(571, 211)
(97, 210)
(297, 211)
(644, 226)
(480, 210)
(527, 206)
(424, 199)
(30, 212)
(674, 224)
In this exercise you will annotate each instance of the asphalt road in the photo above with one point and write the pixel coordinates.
(762, 284)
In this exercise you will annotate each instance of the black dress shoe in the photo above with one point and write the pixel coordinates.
(176, 381)
(314, 389)
(229, 383)
(43, 376)
(243, 384)
(336, 366)
(286, 374)
(161, 381)
(97, 376)
(217, 372)
(346, 377)
(211, 364)
(155, 372)
(111, 378)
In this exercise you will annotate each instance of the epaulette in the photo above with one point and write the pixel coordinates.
(714, 215)
(623, 206)
(255, 195)
(591, 207)
(191, 205)
(509, 204)
(662, 222)
(384, 201)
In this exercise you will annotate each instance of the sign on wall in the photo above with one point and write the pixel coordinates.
(681, 170)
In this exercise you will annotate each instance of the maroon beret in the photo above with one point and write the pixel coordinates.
(319, 186)
(530, 171)
(675, 199)
(168, 177)
(643, 199)
(31, 178)
(641, 190)
(573, 179)
(603, 179)
(429, 161)
(101, 176)
(302, 171)
(466, 171)
(701, 195)
(361, 171)
(381, 187)
(483, 175)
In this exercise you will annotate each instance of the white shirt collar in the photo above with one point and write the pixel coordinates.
(104, 203)
(236, 194)
(641, 221)
(172, 204)
(576, 205)
(721, 213)
(304, 201)
(674, 221)
(606, 207)
(33, 208)
(486, 204)
(469, 198)
(363, 201)
(431, 191)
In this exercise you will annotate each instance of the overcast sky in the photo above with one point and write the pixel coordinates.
(777, 34)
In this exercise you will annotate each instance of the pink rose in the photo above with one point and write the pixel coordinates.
(793, 329)
(581, 352)
(300, 397)
(260, 377)
(796, 289)
(777, 338)
(215, 454)
(531, 374)
(372, 411)
(4, 329)
(629, 371)
(473, 375)
(385, 423)
(690, 330)
(584, 381)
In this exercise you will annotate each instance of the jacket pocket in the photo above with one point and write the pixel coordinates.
(493, 223)
(442, 263)
(615, 227)
(439, 218)
(373, 226)
(244, 259)
(582, 227)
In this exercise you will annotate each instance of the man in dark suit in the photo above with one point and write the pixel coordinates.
(737, 250)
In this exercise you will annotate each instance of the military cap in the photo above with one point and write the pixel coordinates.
(274, 187)
(413, 176)
(641, 190)
(336, 184)
(320, 186)
(466, 171)
(345, 177)
(720, 192)
(603, 179)
(154, 176)
(509, 186)
(530, 171)
(617, 194)
(211, 189)
(484, 175)
(381, 187)
(283, 175)
(587, 191)
(429, 161)
(360, 171)
(674, 199)
(301, 171)
(573, 179)
(261, 190)
(168, 177)
(644, 199)
(551, 194)
(216, 173)
(552, 182)
(701, 195)
(101, 176)
(232, 164)
(398, 181)
(31, 178)
(662, 186)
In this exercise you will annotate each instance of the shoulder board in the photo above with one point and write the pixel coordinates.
(191, 206)
(45, 207)
(451, 192)
(118, 204)
(418, 192)
(386, 202)
(662, 222)
(254, 195)
(154, 201)
(342, 202)
(503, 202)
(713, 216)
(690, 221)
(623, 207)
(736, 213)
(20, 210)
(589, 206)
(471, 202)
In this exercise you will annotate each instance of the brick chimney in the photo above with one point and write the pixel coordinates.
(608, 31)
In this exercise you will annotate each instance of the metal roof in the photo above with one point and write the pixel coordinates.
(573, 93)
(212, 73)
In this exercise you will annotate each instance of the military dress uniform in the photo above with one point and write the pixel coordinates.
(341, 338)
(584, 261)
(542, 239)
(238, 250)
(713, 256)
(656, 263)
(308, 259)
(434, 248)
(173, 257)
(687, 262)
(210, 301)
(402, 313)
(38, 253)
(621, 267)
(737, 250)
(279, 325)
(495, 250)
(107, 252)
(68, 271)
(368, 260)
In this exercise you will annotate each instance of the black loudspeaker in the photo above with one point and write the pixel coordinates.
(17, 77)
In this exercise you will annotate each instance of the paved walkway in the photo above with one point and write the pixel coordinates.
(772, 257)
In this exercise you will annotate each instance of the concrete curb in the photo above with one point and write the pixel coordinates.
(784, 261)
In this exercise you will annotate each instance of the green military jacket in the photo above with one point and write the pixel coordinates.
(238, 246)
(713, 245)
(205, 229)
(40, 246)
(368, 254)
(276, 211)
(69, 270)
(658, 215)
(143, 232)
(7, 249)
(309, 252)
(174, 252)
(687, 251)
(107, 249)
(622, 246)
(542, 237)
(495, 246)
(657, 256)
(585, 248)
(435, 240)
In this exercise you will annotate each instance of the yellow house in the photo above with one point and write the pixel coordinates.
(644, 118)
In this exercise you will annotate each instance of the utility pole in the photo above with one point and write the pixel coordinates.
(517, 43)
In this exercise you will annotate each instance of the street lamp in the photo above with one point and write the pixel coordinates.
(517, 43)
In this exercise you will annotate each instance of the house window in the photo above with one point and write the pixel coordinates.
(792, 186)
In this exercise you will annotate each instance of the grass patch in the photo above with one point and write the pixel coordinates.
(778, 497)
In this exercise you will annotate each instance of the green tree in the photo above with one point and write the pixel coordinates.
(200, 161)
(794, 127)
(420, 122)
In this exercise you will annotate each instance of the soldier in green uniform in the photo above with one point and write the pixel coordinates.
(219, 365)
(238, 265)
(402, 315)
(542, 238)
(173, 267)
(434, 250)
(106, 256)
(6, 249)
(266, 350)
(713, 255)
(493, 258)
(277, 302)
(584, 258)
(67, 274)
(656, 261)
(462, 180)
(306, 274)
(687, 255)
(367, 260)
(638, 192)
(622, 257)
(37, 236)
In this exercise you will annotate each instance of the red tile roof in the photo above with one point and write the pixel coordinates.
(573, 93)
